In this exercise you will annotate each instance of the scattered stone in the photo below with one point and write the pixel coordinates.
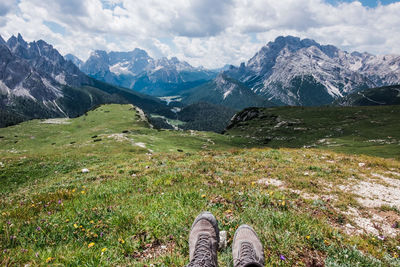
(142, 145)
(57, 121)
(361, 164)
(222, 240)
(85, 170)
(274, 182)
(97, 140)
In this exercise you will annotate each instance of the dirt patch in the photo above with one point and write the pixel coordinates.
(154, 250)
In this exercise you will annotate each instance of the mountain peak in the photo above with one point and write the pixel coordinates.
(2, 40)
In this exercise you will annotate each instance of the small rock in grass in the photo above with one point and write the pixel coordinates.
(222, 240)
(163, 247)
(85, 170)
(1, 164)
(361, 164)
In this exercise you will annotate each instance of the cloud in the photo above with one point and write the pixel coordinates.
(203, 32)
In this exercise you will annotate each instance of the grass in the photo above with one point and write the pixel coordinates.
(135, 207)
(354, 130)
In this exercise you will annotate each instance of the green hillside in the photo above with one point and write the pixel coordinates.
(136, 201)
(77, 101)
(359, 130)
(387, 95)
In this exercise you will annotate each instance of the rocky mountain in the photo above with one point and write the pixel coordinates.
(292, 71)
(227, 92)
(381, 96)
(137, 70)
(74, 59)
(37, 82)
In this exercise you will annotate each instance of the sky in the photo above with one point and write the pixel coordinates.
(209, 33)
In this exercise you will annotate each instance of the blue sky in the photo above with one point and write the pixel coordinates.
(369, 3)
(203, 32)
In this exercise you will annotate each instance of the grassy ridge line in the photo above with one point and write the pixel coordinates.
(355, 130)
(136, 208)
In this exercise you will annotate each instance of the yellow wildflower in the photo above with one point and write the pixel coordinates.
(67, 220)
(92, 222)
(49, 259)
(82, 192)
(103, 250)
(90, 245)
(228, 211)
(120, 240)
(308, 237)
(203, 196)
(283, 203)
(73, 190)
(75, 225)
(253, 183)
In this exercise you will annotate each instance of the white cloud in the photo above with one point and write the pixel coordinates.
(203, 32)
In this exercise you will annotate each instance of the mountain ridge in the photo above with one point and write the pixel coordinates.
(272, 70)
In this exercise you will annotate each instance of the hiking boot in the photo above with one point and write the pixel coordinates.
(247, 249)
(203, 241)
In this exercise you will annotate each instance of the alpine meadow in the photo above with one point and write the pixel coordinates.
(199, 133)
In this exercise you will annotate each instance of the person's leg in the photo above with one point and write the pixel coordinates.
(203, 241)
(247, 249)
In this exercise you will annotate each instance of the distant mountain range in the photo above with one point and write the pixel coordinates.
(37, 82)
(291, 71)
(138, 71)
(287, 71)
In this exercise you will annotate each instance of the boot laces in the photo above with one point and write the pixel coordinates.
(202, 252)
(247, 255)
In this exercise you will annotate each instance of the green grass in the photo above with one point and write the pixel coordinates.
(355, 130)
(139, 206)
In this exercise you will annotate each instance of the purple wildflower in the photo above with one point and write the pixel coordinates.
(38, 228)
(282, 257)
(101, 234)
(49, 212)
(59, 201)
(381, 237)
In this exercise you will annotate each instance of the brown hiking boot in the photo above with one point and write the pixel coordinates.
(247, 249)
(203, 241)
